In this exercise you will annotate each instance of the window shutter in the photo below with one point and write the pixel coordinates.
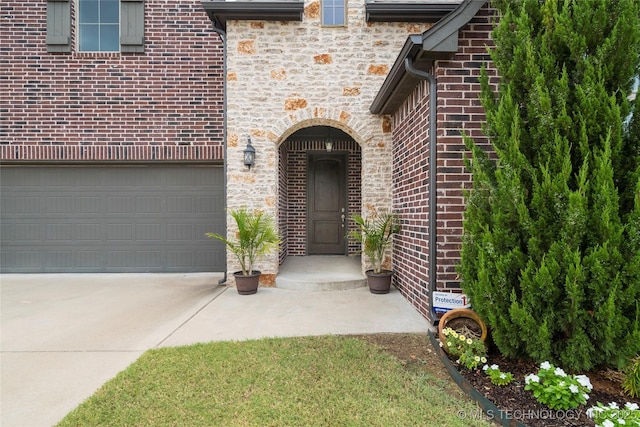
(131, 25)
(58, 26)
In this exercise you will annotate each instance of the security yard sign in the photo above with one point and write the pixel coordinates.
(445, 301)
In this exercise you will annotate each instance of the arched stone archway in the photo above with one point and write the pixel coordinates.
(334, 188)
(366, 138)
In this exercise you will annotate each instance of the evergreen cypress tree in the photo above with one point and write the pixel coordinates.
(551, 251)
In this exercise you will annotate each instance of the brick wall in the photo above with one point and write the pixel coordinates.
(163, 104)
(459, 110)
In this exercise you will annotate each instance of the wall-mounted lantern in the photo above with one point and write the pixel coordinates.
(328, 145)
(249, 154)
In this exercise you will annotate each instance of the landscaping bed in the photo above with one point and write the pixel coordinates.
(512, 400)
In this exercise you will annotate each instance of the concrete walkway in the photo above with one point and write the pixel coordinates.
(65, 335)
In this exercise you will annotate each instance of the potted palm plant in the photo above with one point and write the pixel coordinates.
(256, 235)
(375, 233)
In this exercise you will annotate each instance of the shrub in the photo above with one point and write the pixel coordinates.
(551, 246)
(631, 382)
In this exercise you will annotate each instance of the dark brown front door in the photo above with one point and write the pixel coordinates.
(326, 203)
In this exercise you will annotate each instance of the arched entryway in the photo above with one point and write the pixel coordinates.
(319, 189)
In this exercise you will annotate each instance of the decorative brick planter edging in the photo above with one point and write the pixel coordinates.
(491, 411)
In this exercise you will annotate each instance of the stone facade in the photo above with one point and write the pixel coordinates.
(285, 76)
(164, 104)
(459, 112)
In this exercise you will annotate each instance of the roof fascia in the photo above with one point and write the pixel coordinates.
(222, 11)
(438, 42)
(406, 12)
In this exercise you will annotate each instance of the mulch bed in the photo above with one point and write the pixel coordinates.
(520, 405)
(417, 354)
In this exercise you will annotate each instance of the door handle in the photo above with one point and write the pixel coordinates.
(342, 217)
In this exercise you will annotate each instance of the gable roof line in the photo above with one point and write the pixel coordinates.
(438, 42)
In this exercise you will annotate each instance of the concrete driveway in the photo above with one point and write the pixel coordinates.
(64, 335)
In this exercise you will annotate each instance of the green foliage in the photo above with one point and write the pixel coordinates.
(496, 376)
(375, 233)
(554, 388)
(471, 352)
(256, 235)
(551, 247)
(613, 415)
(631, 382)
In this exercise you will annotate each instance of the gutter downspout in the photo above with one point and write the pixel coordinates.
(433, 200)
(223, 38)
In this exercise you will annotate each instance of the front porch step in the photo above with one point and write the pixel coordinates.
(321, 273)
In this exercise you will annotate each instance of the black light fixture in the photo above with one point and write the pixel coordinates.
(249, 154)
(328, 144)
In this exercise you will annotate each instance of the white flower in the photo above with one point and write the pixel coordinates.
(545, 365)
(613, 405)
(584, 381)
(494, 367)
(440, 343)
(621, 421)
(503, 375)
(586, 396)
(485, 367)
(574, 389)
(559, 372)
(631, 406)
(590, 412)
(607, 423)
(531, 378)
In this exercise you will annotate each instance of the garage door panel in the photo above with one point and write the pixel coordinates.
(60, 260)
(59, 232)
(24, 205)
(150, 233)
(151, 205)
(120, 205)
(119, 260)
(112, 219)
(119, 232)
(86, 233)
(89, 260)
(27, 231)
(88, 205)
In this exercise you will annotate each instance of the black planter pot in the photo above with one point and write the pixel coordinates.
(379, 283)
(247, 285)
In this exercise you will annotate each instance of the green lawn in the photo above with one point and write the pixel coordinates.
(310, 381)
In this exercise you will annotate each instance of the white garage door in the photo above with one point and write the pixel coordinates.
(111, 219)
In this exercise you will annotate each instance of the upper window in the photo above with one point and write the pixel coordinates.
(334, 12)
(102, 26)
(99, 25)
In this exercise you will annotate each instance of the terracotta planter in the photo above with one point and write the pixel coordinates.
(462, 315)
(247, 285)
(379, 283)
